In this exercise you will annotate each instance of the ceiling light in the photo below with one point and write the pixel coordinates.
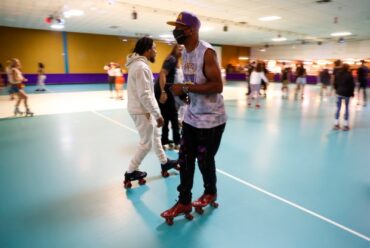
(341, 34)
(269, 18)
(279, 39)
(243, 58)
(73, 12)
(55, 21)
(262, 49)
(57, 26)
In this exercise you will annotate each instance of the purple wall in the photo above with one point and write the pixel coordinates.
(73, 78)
(94, 78)
(69, 78)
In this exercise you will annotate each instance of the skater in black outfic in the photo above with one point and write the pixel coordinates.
(144, 111)
(362, 75)
(204, 120)
(344, 86)
(17, 80)
(166, 100)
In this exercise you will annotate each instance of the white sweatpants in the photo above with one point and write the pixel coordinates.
(41, 82)
(149, 136)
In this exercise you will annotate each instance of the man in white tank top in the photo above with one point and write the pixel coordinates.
(204, 120)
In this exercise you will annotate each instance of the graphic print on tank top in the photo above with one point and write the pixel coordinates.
(189, 72)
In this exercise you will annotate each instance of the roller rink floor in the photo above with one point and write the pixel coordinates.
(285, 178)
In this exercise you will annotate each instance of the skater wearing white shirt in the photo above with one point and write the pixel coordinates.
(255, 81)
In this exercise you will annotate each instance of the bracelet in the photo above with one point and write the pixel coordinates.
(163, 91)
(185, 89)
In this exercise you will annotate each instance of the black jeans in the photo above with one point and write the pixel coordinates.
(111, 81)
(200, 144)
(363, 87)
(169, 113)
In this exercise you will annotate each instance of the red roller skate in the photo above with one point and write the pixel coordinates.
(203, 201)
(176, 210)
(136, 175)
(171, 164)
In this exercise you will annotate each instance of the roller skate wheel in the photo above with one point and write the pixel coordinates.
(214, 204)
(142, 181)
(165, 174)
(127, 185)
(199, 210)
(177, 167)
(169, 221)
(189, 216)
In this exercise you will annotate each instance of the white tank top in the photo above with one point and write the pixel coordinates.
(204, 111)
(12, 79)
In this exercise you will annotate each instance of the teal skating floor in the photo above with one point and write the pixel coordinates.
(285, 179)
(55, 88)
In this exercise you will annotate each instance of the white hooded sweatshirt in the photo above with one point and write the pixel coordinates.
(140, 87)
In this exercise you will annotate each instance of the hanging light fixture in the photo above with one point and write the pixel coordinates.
(55, 21)
(225, 28)
(134, 14)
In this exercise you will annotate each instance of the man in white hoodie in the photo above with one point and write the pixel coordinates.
(144, 111)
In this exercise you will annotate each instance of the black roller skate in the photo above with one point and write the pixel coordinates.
(203, 201)
(176, 210)
(17, 111)
(29, 113)
(171, 164)
(136, 175)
